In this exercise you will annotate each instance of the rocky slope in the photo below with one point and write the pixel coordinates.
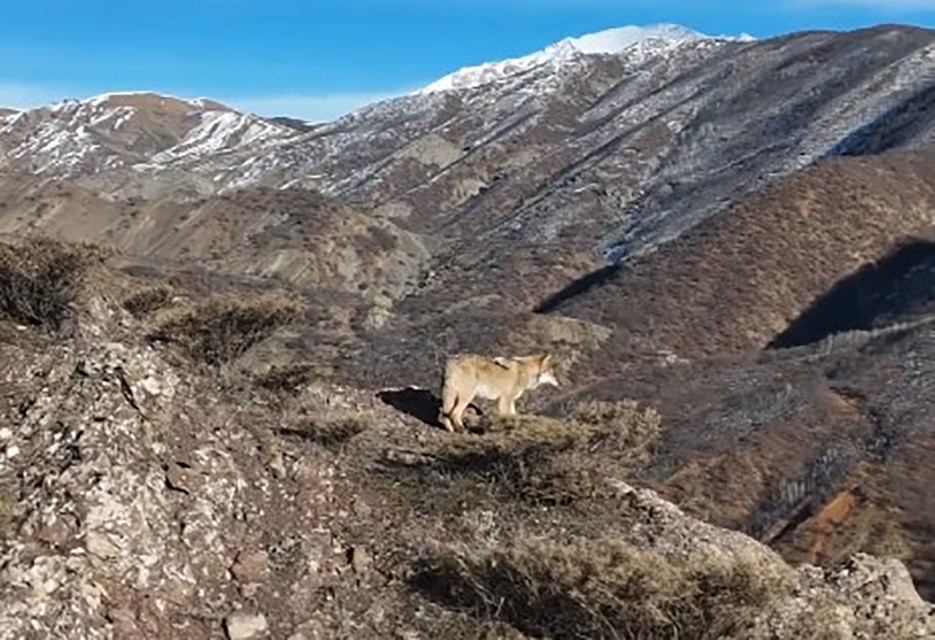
(140, 497)
(289, 234)
(112, 137)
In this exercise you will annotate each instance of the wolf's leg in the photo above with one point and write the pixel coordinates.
(449, 402)
(460, 406)
(445, 421)
(506, 406)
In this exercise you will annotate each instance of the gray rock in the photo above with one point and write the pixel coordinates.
(244, 626)
(251, 566)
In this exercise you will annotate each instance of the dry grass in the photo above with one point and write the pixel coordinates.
(8, 500)
(461, 626)
(289, 378)
(529, 473)
(224, 326)
(147, 300)
(330, 430)
(604, 588)
(634, 427)
(40, 279)
(534, 460)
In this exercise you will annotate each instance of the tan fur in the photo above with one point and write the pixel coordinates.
(502, 379)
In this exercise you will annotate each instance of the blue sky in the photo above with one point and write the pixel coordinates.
(318, 58)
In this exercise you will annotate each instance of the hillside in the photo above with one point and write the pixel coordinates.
(751, 274)
(289, 234)
(819, 451)
(144, 493)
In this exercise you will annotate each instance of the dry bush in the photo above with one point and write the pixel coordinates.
(465, 627)
(464, 470)
(634, 427)
(537, 460)
(330, 430)
(291, 377)
(145, 301)
(40, 278)
(605, 588)
(8, 499)
(224, 326)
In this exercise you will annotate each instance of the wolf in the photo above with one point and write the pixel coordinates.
(501, 379)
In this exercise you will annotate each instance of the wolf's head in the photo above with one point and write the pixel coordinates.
(546, 374)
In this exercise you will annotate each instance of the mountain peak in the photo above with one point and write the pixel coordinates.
(152, 101)
(607, 42)
(615, 40)
(143, 101)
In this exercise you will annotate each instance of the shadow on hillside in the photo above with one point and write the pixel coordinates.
(879, 293)
(421, 404)
(892, 129)
(578, 287)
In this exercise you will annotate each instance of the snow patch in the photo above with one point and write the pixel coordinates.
(660, 37)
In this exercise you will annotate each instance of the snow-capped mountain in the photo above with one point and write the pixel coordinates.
(633, 40)
(134, 143)
(624, 140)
(121, 130)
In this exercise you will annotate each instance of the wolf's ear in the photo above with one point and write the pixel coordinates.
(546, 359)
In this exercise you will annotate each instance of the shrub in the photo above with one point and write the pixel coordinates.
(288, 378)
(330, 430)
(633, 427)
(224, 326)
(605, 588)
(538, 460)
(40, 278)
(144, 301)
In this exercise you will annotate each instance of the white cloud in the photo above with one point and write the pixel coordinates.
(313, 108)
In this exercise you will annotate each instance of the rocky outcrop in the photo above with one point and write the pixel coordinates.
(862, 597)
(137, 504)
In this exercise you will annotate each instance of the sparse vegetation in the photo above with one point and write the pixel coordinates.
(810, 223)
(8, 497)
(287, 378)
(224, 326)
(634, 427)
(605, 588)
(147, 300)
(330, 430)
(534, 459)
(40, 278)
